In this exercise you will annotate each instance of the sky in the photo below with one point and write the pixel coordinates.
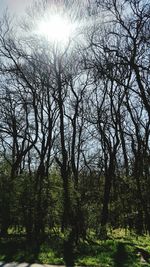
(14, 6)
(18, 6)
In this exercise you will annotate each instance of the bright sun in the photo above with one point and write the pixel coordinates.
(56, 28)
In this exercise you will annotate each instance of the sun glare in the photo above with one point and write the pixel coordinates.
(56, 28)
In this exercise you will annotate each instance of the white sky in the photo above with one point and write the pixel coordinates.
(14, 6)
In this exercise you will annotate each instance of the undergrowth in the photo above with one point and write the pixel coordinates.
(121, 249)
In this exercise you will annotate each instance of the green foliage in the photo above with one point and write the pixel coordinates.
(117, 251)
(17, 249)
(48, 255)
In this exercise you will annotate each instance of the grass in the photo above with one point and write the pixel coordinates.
(119, 250)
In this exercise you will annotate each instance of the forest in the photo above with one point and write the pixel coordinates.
(75, 135)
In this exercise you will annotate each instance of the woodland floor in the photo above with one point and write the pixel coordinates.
(119, 250)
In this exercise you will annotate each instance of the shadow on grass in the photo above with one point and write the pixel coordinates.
(121, 256)
(17, 250)
(69, 252)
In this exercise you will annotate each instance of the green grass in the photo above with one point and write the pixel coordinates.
(119, 250)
